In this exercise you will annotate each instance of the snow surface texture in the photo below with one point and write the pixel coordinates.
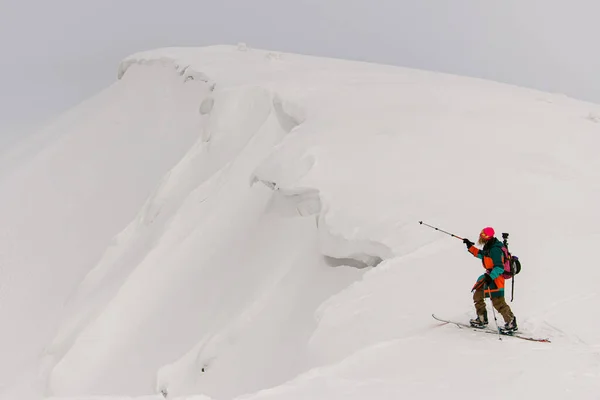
(231, 223)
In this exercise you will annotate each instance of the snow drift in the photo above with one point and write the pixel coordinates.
(236, 223)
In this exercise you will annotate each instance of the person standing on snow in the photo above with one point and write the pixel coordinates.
(491, 283)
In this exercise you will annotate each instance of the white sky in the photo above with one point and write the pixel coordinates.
(56, 53)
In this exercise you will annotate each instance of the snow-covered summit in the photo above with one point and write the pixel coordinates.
(228, 222)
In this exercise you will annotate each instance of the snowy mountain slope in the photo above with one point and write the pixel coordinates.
(70, 188)
(282, 252)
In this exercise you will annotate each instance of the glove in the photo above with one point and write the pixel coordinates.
(488, 279)
(468, 243)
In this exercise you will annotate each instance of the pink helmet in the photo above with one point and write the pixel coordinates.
(487, 233)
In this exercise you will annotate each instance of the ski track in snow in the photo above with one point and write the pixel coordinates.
(274, 252)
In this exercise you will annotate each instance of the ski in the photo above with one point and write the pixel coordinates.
(492, 331)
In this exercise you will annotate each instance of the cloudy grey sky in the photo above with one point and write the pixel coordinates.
(55, 53)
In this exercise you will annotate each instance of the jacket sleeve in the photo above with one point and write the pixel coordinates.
(476, 252)
(498, 269)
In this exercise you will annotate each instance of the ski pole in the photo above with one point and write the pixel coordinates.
(438, 229)
(494, 313)
(512, 290)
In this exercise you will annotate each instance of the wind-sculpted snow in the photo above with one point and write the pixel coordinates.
(241, 129)
(279, 254)
(199, 171)
(69, 189)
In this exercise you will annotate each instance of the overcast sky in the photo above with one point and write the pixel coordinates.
(56, 53)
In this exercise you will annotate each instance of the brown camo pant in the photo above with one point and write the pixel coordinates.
(498, 302)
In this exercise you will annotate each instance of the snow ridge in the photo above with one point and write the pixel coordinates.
(240, 142)
(278, 254)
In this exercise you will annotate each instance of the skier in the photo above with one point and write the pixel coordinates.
(491, 283)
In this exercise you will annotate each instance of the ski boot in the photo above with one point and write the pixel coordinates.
(480, 322)
(510, 327)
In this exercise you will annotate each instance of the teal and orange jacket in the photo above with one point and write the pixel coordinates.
(492, 258)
